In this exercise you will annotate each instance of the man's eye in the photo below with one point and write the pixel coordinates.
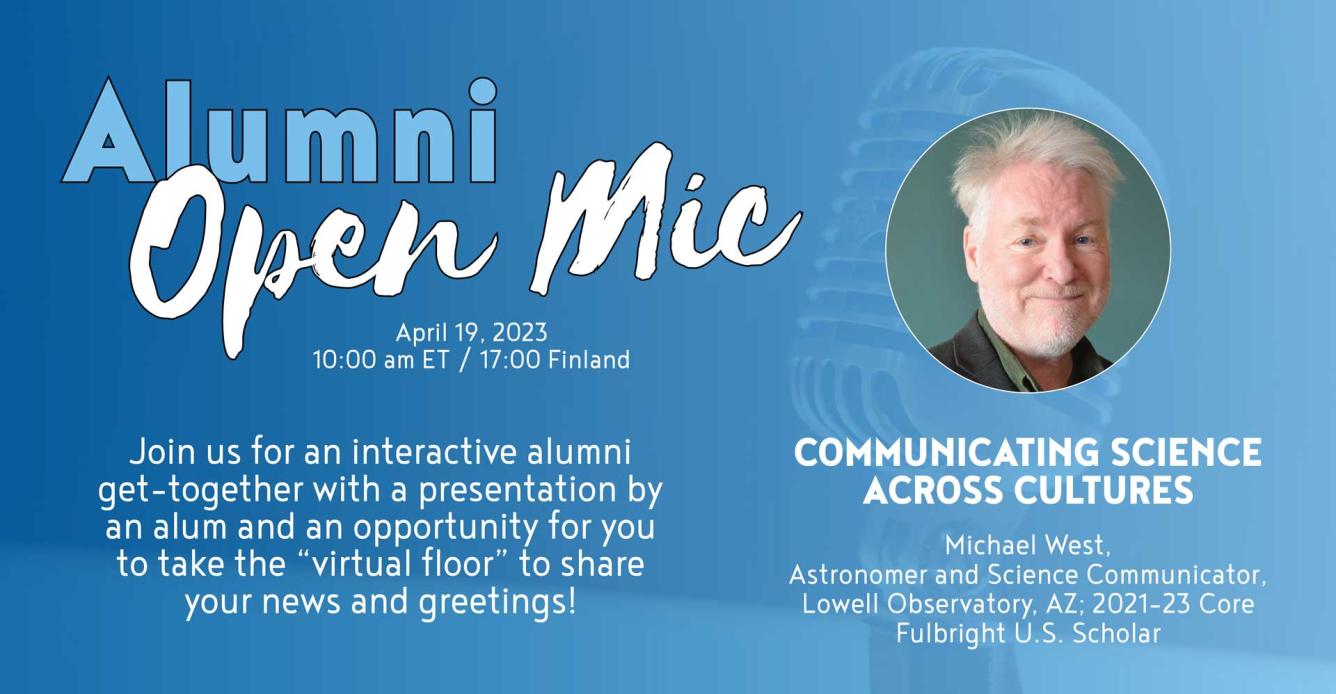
(1026, 243)
(1084, 240)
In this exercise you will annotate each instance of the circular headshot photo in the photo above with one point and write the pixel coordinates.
(1028, 250)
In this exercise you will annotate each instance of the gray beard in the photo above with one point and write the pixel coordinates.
(1050, 346)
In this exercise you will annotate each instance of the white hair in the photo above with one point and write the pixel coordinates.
(1044, 138)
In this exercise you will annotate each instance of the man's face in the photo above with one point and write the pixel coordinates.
(1042, 261)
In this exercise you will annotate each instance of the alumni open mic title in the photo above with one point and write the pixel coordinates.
(595, 203)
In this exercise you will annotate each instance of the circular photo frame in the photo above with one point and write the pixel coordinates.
(1028, 250)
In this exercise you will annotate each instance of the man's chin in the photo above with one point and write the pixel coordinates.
(1051, 350)
(1046, 333)
(1052, 341)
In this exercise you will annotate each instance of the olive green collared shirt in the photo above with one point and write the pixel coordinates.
(1085, 361)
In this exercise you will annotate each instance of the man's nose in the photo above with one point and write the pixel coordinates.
(1059, 263)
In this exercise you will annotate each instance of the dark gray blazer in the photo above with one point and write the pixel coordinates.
(970, 354)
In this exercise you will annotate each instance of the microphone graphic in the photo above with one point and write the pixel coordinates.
(857, 372)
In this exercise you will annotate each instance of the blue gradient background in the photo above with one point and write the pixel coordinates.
(825, 105)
